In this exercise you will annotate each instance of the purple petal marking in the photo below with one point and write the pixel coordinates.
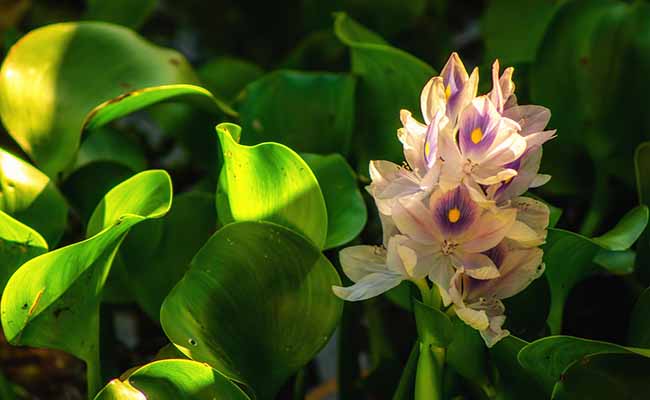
(454, 211)
(497, 254)
(480, 115)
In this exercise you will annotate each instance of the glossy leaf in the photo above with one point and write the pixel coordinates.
(639, 330)
(29, 196)
(390, 79)
(434, 327)
(157, 253)
(549, 357)
(172, 379)
(55, 75)
(307, 111)
(226, 77)
(18, 244)
(346, 210)
(564, 248)
(123, 12)
(467, 354)
(605, 377)
(256, 304)
(514, 29)
(53, 300)
(514, 382)
(269, 182)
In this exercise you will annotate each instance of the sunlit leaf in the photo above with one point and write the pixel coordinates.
(55, 75)
(269, 182)
(390, 79)
(346, 210)
(28, 195)
(307, 111)
(172, 379)
(18, 244)
(53, 300)
(569, 257)
(256, 304)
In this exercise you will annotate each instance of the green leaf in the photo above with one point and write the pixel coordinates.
(137, 99)
(269, 182)
(604, 377)
(390, 79)
(105, 144)
(466, 353)
(564, 248)
(616, 262)
(123, 12)
(428, 376)
(514, 382)
(549, 357)
(642, 168)
(227, 76)
(307, 111)
(514, 29)
(172, 379)
(86, 186)
(406, 384)
(639, 330)
(256, 304)
(55, 75)
(53, 300)
(28, 195)
(346, 210)
(156, 253)
(434, 327)
(520, 320)
(18, 244)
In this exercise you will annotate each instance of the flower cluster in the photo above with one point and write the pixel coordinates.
(454, 212)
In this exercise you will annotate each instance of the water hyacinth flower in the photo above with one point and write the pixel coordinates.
(455, 213)
(478, 302)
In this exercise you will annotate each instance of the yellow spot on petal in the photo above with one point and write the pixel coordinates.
(476, 135)
(427, 149)
(447, 93)
(453, 215)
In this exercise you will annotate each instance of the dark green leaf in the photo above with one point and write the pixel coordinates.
(123, 12)
(346, 210)
(105, 144)
(434, 327)
(226, 77)
(307, 111)
(256, 304)
(514, 382)
(390, 79)
(639, 330)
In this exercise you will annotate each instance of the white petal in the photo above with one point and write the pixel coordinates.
(370, 286)
(359, 261)
(525, 235)
(476, 319)
(432, 98)
(539, 180)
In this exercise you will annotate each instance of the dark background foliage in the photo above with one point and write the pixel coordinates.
(587, 61)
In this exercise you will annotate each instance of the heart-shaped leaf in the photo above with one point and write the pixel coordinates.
(55, 75)
(346, 210)
(172, 379)
(569, 257)
(390, 79)
(307, 111)
(256, 304)
(548, 358)
(18, 244)
(29, 196)
(269, 182)
(156, 253)
(105, 144)
(53, 300)
(227, 76)
(604, 377)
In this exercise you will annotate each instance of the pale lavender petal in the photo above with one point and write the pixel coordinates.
(478, 266)
(539, 138)
(526, 166)
(432, 98)
(488, 230)
(502, 88)
(531, 118)
(412, 218)
(359, 261)
(369, 286)
(478, 127)
(412, 136)
(518, 269)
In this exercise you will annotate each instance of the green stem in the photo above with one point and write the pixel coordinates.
(425, 291)
(428, 378)
(598, 205)
(93, 377)
(404, 389)
(299, 385)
